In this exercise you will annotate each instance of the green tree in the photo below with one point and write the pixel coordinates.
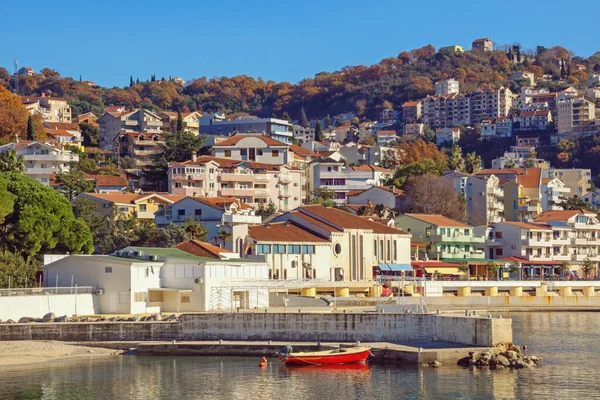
(328, 121)
(266, 211)
(575, 203)
(303, 118)
(42, 220)
(529, 161)
(588, 267)
(179, 121)
(510, 163)
(16, 271)
(473, 163)
(424, 166)
(90, 134)
(287, 117)
(318, 132)
(355, 122)
(492, 269)
(456, 161)
(195, 229)
(7, 201)
(324, 196)
(224, 237)
(131, 83)
(9, 162)
(31, 134)
(73, 183)
(565, 268)
(171, 234)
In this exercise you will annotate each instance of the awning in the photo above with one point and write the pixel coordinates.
(395, 267)
(444, 271)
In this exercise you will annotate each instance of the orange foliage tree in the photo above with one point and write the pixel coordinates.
(13, 116)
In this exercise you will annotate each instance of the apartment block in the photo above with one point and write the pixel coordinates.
(578, 180)
(389, 116)
(553, 190)
(574, 113)
(278, 129)
(447, 86)
(42, 160)
(252, 147)
(51, 109)
(411, 111)
(446, 110)
(443, 238)
(250, 182)
(143, 147)
(190, 121)
(112, 123)
(490, 103)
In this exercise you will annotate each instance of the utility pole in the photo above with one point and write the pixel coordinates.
(16, 64)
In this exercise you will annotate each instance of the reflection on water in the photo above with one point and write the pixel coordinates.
(565, 340)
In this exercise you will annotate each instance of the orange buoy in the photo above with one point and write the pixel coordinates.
(263, 363)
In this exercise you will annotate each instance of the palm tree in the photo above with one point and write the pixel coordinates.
(473, 163)
(464, 267)
(224, 236)
(9, 162)
(515, 267)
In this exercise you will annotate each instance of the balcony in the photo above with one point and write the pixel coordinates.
(229, 219)
(227, 177)
(579, 241)
(494, 242)
(535, 242)
(41, 171)
(456, 238)
(285, 195)
(262, 193)
(285, 178)
(561, 257)
(52, 157)
(560, 240)
(261, 177)
(145, 215)
(582, 257)
(131, 122)
(528, 208)
(234, 192)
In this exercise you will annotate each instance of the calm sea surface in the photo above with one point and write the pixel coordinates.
(568, 342)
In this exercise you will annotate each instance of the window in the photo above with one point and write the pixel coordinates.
(177, 184)
(308, 249)
(395, 251)
(108, 270)
(263, 249)
(442, 231)
(198, 212)
(389, 250)
(185, 299)
(427, 232)
(293, 249)
(467, 247)
(181, 213)
(337, 249)
(278, 249)
(381, 253)
(139, 297)
(142, 207)
(498, 235)
(259, 152)
(211, 185)
(467, 233)
(375, 248)
(275, 153)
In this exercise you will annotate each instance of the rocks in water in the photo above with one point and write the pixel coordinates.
(501, 356)
(48, 317)
(26, 320)
(64, 318)
(157, 317)
(436, 364)
(10, 321)
(171, 317)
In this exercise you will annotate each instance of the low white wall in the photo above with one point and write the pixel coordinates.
(411, 303)
(15, 307)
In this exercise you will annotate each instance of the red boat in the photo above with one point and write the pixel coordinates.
(333, 356)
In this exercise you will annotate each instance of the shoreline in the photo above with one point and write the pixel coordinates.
(20, 353)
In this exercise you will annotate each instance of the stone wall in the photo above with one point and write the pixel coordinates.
(300, 327)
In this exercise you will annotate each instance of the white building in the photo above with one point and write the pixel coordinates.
(593, 198)
(447, 86)
(212, 212)
(112, 123)
(447, 136)
(389, 196)
(553, 190)
(42, 160)
(385, 137)
(252, 147)
(278, 129)
(335, 176)
(149, 280)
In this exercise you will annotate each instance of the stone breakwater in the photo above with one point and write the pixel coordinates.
(502, 355)
(50, 317)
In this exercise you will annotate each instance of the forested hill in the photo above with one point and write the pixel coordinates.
(362, 89)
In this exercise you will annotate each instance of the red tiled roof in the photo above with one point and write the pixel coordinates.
(58, 132)
(559, 215)
(390, 132)
(221, 202)
(109, 180)
(354, 192)
(114, 109)
(301, 151)
(481, 40)
(201, 249)
(411, 104)
(283, 232)
(62, 126)
(229, 163)
(530, 225)
(232, 141)
(438, 220)
(370, 167)
(344, 220)
(145, 135)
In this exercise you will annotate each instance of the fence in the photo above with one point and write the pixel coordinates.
(46, 291)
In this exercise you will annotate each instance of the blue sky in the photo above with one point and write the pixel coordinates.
(106, 41)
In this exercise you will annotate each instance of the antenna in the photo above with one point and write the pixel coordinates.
(16, 63)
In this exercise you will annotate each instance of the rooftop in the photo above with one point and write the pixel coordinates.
(283, 232)
(234, 140)
(438, 220)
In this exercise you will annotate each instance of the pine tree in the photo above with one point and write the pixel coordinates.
(31, 130)
(286, 116)
(79, 78)
(179, 121)
(303, 119)
(318, 132)
(327, 121)
(152, 78)
(137, 81)
(569, 69)
(130, 80)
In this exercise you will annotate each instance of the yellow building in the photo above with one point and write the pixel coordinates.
(452, 49)
(144, 205)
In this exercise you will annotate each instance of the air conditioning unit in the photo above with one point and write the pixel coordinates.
(295, 198)
(151, 258)
(295, 184)
(99, 292)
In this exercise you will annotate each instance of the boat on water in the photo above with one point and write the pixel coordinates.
(349, 355)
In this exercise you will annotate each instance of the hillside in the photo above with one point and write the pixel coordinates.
(362, 89)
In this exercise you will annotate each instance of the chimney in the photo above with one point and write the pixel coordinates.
(194, 156)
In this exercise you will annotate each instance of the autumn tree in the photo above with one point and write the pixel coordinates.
(432, 194)
(13, 116)
(368, 140)
(410, 152)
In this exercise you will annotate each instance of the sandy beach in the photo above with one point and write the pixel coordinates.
(39, 351)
